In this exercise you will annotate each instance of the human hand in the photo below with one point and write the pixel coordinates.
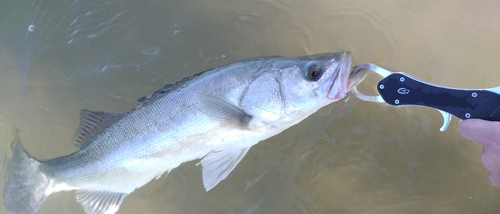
(486, 133)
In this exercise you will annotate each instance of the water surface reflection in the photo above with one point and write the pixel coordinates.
(366, 158)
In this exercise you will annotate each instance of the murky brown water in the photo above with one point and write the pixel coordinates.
(366, 158)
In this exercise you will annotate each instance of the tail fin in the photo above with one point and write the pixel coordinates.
(26, 186)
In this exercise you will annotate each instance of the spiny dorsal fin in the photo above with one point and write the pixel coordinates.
(144, 101)
(100, 202)
(91, 124)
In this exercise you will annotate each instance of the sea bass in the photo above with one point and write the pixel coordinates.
(215, 116)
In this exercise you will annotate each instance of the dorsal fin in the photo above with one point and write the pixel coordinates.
(91, 124)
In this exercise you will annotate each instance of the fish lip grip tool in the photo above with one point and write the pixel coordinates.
(402, 89)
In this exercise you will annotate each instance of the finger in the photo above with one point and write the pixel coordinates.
(494, 178)
(491, 160)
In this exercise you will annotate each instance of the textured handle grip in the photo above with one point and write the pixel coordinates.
(400, 89)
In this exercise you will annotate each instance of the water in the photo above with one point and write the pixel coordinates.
(57, 58)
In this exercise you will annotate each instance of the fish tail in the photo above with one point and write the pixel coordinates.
(26, 186)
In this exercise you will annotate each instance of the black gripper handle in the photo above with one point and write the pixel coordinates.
(400, 89)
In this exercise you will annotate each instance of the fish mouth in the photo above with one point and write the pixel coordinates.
(340, 82)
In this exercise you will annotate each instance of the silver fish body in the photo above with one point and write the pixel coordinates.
(216, 115)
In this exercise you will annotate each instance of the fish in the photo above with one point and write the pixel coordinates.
(215, 116)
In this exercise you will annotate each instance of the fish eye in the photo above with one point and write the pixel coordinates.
(313, 71)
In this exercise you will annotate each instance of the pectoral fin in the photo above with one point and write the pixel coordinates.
(218, 164)
(224, 111)
(99, 202)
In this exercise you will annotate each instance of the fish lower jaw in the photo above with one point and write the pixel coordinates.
(338, 89)
(337, 94)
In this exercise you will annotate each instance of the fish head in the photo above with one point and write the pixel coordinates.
(293, 88)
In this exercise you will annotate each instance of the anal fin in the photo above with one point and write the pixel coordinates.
(100, 202)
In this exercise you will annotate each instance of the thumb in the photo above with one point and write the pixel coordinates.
(481, 131)
(486, 133)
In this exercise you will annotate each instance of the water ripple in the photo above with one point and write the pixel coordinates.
(365, 19)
